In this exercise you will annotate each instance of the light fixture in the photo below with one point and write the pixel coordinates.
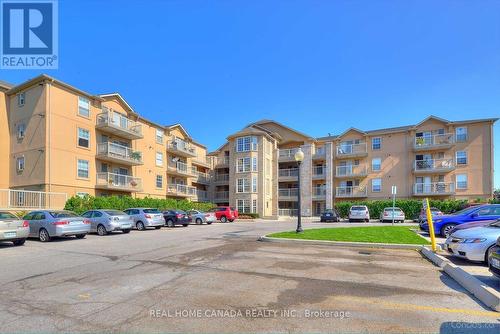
(299, 156)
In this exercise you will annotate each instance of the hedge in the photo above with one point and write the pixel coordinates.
(82, 204)
(410, 207)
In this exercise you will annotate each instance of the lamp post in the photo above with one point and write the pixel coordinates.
(299, 156)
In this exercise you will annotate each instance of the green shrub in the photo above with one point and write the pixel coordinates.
(82, 204)
(251, 215)
(411, 207)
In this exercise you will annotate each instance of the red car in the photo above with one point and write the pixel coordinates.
(225, 213)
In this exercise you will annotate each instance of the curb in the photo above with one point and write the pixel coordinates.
(486, 294)
(338, 243)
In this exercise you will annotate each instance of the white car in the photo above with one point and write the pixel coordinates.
(359, 212)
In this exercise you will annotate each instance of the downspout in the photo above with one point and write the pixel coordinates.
(49, 132)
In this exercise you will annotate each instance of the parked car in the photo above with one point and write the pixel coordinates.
(13, 229)
(480, 223)
(392, 212)
(494, 259)
(103, 222)
(174, 217)
(422, 217)
(359, 212)
(200, 217)
(330, 215)
(473, 243)
(46, 224)
(143, 218)
(225, 213)
(443, 225)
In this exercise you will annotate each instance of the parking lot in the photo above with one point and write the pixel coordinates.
(189, 279)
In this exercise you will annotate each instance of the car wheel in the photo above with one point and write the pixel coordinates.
(185, 225)
(140, 226)
(209, 223)
(231, 220)
(367, 220)
(126, 231)
(446, 229)
(486, 255)
(199, 221)
(223, 219)
(80, 236)
(170, 223)
(157, 227)
(101, 230)
(19, 242)
(321, 221)
(350, 220)
(43, 235)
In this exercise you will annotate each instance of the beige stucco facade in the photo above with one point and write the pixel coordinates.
(436, 158)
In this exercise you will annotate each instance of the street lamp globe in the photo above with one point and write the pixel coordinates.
(299, 156)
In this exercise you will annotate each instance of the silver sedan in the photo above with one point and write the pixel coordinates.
(46, 224)
(200, 217)
(104, 222)
(13, 228)
(473, 243)
(392, 212)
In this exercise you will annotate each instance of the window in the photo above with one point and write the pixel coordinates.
(20, 164)
(254, 164)
(159, 136)
(376, 164)
(159, 159)
(461, 181)
(83, 168)
(21, 99)
(254, 184)
(243, 165)
(243, 205)
(376, 185)
(159, 181)
(254, 206)
(242, 185)
(21, 130)
(461, 158)
(83, 106)
(376, 143)
(83, 138)
(461, 133)
(245, 144)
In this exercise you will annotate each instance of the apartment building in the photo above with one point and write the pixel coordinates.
(255, 169)
(58, 138)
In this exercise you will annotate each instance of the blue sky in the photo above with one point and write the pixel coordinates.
(318, 66)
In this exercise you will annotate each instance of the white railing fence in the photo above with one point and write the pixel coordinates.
(27, 199)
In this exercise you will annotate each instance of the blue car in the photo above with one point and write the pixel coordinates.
(443, 225)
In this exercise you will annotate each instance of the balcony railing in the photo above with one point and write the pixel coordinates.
(29, 200)
(119, 153)
(320, 152)
(182, 147)
(114, 181)
(288, 192)
(289, 172)
(288, 212)
(119, 124)
(350, 170)
(181, 190)
(287, 154)
(348, 150)
(221, 177)
(202, 160)
(201, 195)
(221, 195)
(433, 165)
(433, 189)
(180, 167)
(319, 191)
(434, 141)
(319, 171)
(351, 191)
(200, 176)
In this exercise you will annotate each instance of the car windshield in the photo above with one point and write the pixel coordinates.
(358, 208)
(151, 211)
(329, 211)
(7, 215)
(115, 213)
(63, 214)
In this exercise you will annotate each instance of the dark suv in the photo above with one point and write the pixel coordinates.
(176, 217)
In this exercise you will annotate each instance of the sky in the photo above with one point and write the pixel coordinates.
(317, 66)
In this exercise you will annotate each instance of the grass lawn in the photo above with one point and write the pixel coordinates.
(377, 234)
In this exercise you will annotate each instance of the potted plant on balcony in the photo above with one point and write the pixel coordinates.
(133, 183)
(420, 141)
(136, 156)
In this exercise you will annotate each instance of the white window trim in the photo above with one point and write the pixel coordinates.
(380, 165)
(88, 169)
(161, 181)
(244, 182)
(21, 99)
(466, 158)
(21, 134)
(78, 137)
(159, 136)
(380, 143)
(18, 164)
(377, 191)
(466, 134)
(160, 164)
(242, 165)
(466, 182)
(88, 110)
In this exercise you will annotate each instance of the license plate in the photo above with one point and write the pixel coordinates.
(495, 263)
(328, 215)
(9, 234)
(76, 222)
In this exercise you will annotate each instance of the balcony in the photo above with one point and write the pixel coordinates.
(434, 142)
(222, 162)
(201, 177)
(351, 192)
(350, 171)
(352, 150)
(319, 172)
(287, 154)
(180, 168)
(288, 174)
(181, 190)
(201, 195)
(288, 194)
(119, 125)
(119, 182)
(182, 148)
(201, 161)
(221, 196)
(221, 178)
(288, 212)
(433, 166)
(319, 153)
(120, 154)
(319, 193)
(433, 189)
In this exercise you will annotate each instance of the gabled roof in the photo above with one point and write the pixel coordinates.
(439, 119)
(6, 85)
(179, 126)
(351, 129)
(120, 99)
(264, 121)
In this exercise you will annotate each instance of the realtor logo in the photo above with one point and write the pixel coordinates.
(29, 34)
